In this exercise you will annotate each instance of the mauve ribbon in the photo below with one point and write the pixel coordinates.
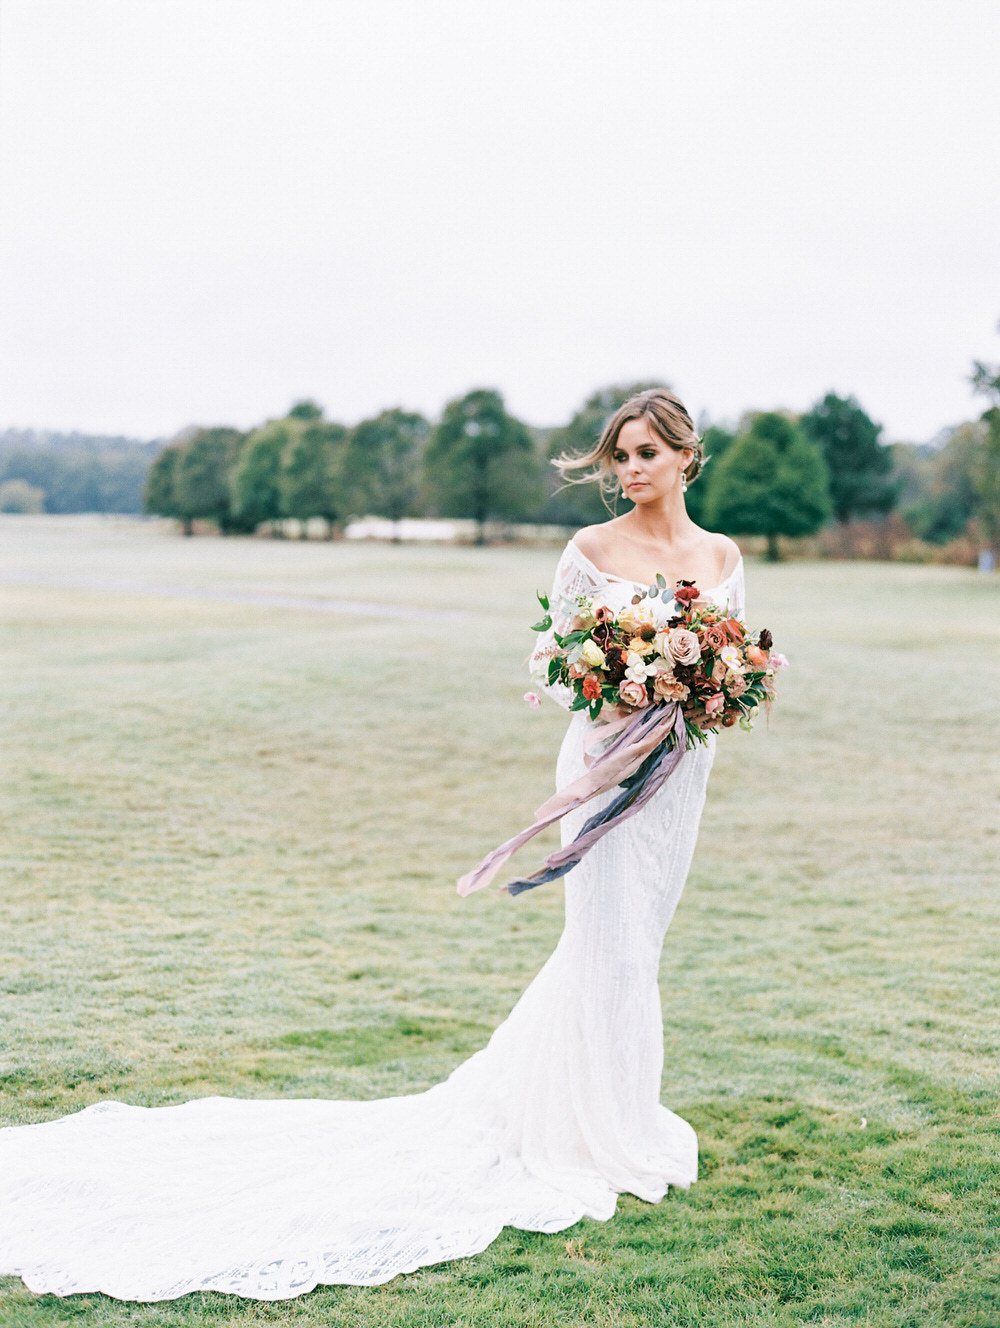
(636, 739)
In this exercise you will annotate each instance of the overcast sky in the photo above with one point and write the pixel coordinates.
(211, 208)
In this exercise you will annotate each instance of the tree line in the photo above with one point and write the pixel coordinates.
(776, 474)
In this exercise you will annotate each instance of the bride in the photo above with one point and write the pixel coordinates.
(558, 1114)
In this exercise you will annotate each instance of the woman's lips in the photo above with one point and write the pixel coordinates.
(639, 484)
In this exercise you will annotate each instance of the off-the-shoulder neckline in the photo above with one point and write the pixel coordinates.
(611, 576)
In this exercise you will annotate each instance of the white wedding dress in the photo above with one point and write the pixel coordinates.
(548, 1123)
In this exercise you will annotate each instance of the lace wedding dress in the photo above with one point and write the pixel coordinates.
(558, 1113)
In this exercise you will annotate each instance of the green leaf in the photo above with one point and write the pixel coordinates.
(542, 626)
(542, 599)
(554, 664)
(661, 580)
(580, 703)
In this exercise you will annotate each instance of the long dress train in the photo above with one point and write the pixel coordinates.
(548, 1123)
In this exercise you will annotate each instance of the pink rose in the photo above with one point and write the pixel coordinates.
(777, 660)
(532, 700)
(633, 694)
(714, 704)
(684, 646)
(715, 637)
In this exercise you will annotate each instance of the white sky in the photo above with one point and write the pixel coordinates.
(211, 208)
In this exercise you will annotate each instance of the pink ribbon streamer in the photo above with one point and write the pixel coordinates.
(633, 739)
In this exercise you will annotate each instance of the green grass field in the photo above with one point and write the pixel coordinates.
(231, 837)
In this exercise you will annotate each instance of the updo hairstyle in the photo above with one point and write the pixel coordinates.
(668, 420)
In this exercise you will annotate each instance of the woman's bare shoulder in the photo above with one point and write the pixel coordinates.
(592, 541)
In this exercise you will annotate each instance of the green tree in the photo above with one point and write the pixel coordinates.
(943, 501)
(201, 479)
(572, 502)
(256, 480)
(985, 379)
(160, 498)
(481, 462)
(772, 481)
(310, 469)
(861, 480)
(382, 464)
(306, 410)
(986, 480)
(716, 442)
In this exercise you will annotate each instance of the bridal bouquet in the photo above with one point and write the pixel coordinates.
(702, 658)
(670, 684)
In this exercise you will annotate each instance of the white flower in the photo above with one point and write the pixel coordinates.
(730, 656)
(638, 669)
(662, 642)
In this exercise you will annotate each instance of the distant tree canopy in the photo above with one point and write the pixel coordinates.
(772, 481)
(716, 442)
(860, 467)
(309, 480)
(777, 475)
(481, 462)
(938, 484)
(21, 497)
(77, 472)
(383, 462)
(256, 482)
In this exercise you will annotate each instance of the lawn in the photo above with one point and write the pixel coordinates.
(234, 812)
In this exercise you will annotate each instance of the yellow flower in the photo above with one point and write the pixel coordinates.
(592, 654)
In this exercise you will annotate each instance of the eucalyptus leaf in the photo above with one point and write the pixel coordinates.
(661, 581)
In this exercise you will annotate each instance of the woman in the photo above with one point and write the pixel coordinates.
(548, 1123)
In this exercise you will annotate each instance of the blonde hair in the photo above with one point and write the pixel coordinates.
(668, 420)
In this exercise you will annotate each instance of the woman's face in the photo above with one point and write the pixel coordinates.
(647, 468)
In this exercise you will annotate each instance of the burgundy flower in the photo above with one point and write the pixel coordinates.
(686, 591)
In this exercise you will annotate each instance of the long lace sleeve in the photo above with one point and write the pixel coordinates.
(571, 579)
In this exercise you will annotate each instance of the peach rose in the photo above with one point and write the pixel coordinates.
(757, 657)
(633, 617)
(684, 646)
(633, 694)
(670, 687)
(641, 646)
